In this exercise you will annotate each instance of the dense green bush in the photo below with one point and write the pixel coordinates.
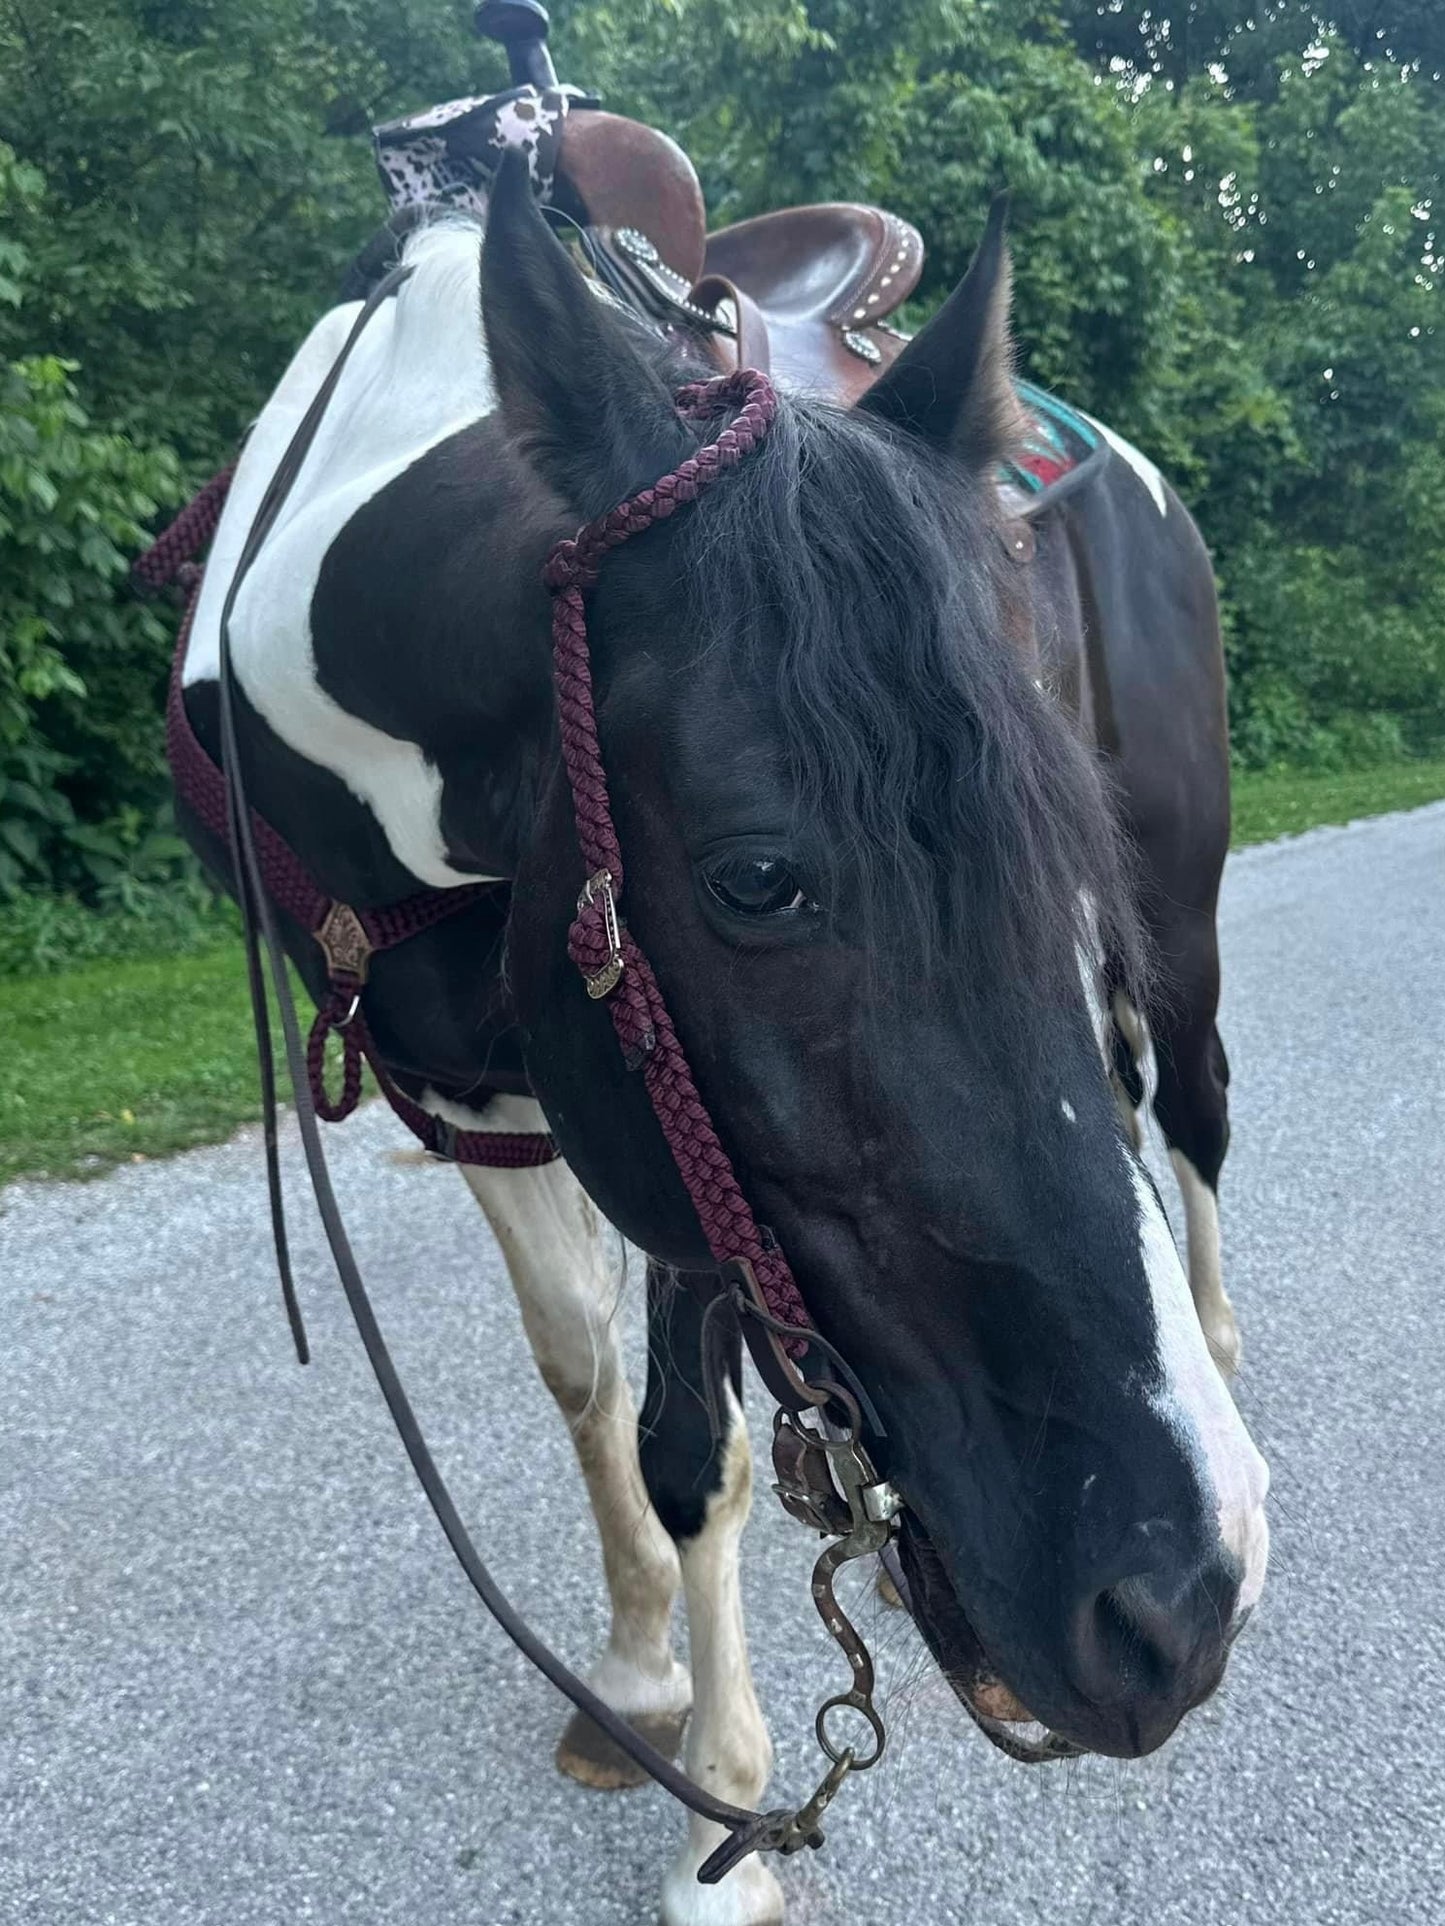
(81, 662)
(1226, 236)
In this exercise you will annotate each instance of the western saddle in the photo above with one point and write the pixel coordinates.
(804, 293)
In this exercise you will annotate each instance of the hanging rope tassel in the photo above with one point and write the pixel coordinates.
(338, 1013)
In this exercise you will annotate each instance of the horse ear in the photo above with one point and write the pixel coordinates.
(953, 384)
(573, 387)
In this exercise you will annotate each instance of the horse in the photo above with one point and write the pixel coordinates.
(878, 786)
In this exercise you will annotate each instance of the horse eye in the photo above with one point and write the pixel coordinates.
(756, 886)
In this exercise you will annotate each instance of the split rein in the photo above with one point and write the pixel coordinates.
(824, 1474)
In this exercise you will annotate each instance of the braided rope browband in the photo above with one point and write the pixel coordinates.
(599, 941)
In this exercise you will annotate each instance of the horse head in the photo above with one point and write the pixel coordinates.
(879, 878)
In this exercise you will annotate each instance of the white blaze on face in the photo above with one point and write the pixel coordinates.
(1193, 1401)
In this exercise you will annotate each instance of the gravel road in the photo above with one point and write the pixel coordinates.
(242, 1682)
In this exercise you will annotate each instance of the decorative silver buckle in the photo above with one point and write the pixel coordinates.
(603, 982)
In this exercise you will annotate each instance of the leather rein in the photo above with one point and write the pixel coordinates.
(825, 1477)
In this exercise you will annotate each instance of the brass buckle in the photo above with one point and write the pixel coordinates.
(603, 982)
(345, 944)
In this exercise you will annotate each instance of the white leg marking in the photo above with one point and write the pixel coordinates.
(1193, 1400)
(728, 1749)
(552, 1240)
(1206, 1276)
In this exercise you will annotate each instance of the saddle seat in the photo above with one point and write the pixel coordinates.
(802, 293)
(815, 281)
(823, 278)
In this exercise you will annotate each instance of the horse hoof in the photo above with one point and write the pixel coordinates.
(586, 1754)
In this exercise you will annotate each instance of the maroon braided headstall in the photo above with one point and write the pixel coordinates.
(825, 1477)
(599, 942)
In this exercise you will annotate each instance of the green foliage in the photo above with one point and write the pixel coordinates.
(199, 177)
(43, 933)
(1226, 224)
(118, 1061)
(76, 654)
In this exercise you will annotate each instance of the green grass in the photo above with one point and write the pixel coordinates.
(114, 1061)
(1283, 802)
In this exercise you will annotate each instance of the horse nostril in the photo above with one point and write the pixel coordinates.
(1156, 1625)
(1137, 1637)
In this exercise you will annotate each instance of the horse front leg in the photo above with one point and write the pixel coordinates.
(567, 1288)
(701, 1486)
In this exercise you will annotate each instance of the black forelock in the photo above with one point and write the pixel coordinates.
(938, 785)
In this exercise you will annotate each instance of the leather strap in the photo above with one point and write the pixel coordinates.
(749, 1831)
(744, 343)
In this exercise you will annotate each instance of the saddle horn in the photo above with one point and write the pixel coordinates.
(521, 27)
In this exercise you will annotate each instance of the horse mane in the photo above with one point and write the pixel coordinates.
(939, 785)
(940, 790)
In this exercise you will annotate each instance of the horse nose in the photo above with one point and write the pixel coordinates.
(1151, 1632)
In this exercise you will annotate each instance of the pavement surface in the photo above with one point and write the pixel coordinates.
(243, 1683)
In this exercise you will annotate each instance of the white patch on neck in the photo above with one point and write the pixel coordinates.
(1193, 1402)
(1089, 951)
(419, 372)
(1141, 464)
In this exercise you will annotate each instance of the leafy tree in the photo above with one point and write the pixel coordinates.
(204, 177)
(1226, 221)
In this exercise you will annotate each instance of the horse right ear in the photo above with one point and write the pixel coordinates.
(953, 384)
(593, 415)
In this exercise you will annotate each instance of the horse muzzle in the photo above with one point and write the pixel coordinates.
(1114, 1670)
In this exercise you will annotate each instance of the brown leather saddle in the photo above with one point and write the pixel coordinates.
(804, 293)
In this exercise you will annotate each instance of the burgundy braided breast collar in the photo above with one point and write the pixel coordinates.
(348, 937)
(825, 1476)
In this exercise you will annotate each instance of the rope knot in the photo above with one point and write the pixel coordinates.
(568, 566)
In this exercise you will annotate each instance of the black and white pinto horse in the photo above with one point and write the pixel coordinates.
(852, 749)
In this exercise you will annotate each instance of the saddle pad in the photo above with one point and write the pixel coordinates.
(1058, 444)
(446, 156)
